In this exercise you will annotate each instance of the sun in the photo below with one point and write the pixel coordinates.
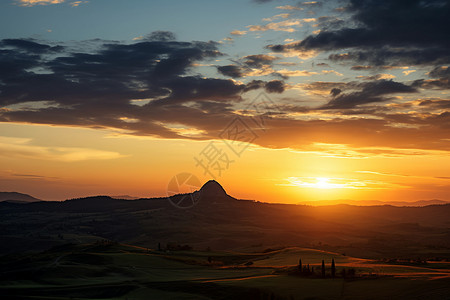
(317, 182)
(322, 183)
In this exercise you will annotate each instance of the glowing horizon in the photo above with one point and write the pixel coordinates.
(281, 105)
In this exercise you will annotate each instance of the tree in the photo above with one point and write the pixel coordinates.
(300, 265)
(333, 268)
(323, 268)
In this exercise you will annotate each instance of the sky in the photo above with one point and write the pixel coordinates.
(279, 101)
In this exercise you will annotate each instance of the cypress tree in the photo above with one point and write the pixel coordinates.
(323, 268)
(333, 268)
(300, 265)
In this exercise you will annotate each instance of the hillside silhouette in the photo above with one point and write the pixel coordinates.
(105, 248)
(17, 197)
(220, 221)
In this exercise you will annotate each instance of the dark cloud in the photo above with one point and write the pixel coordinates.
(114, 73)
(371, 92)
(435, 103)
(29, 45)
(440, 79)
(385, 32)
(274, 86)
(246, 64)
(161, 36)
(258, 60)
(231, 71)
(321, 86)
(361, 68)
(330, 23)
(335, 91)
(139, 87)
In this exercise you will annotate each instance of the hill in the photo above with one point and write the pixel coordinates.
(374, 202)
(17, 197)
(107, 270)
(221, 222)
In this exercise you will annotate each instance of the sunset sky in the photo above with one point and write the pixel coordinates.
(279, 101)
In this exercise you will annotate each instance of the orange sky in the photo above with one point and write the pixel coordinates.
(282, 102)
(60, 162)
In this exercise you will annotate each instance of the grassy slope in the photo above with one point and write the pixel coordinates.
(91, 271)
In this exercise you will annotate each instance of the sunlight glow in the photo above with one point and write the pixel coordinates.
(325, 183)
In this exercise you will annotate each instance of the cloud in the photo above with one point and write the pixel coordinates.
(30, 3)
(152, 87)
(238, 32)
(386, 32)
(77, 3)
(250, 65)
(370, 92)
(312, 3)
(286, 26)
(361, 68)
(289, 50)
(259, 60)
(440, 79)
(231, 71)
(23, 148)
(332, 72)
(136, 88)
(279, 16)
(408, 72)
(382, 76)
(274, 86)
(294, 73)
(289, 7)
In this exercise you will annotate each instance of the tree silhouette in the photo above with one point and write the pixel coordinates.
(323, 268)
(300, 265)
(333, 268)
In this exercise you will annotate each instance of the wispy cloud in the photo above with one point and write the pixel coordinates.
(408, 72)
(238, 32)
(286, 26)
(30, 3)
(289, 7)
(23, 148)
(78, 3)
(279, 16)
(295, 73)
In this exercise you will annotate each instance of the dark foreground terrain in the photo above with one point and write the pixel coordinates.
(104, 248)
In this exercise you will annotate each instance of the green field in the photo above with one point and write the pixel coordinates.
(118, 271)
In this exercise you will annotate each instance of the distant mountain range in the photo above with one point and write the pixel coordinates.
(212, 187)
(374, 202)
(220, 221)
(125, 197)
(17, 197)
